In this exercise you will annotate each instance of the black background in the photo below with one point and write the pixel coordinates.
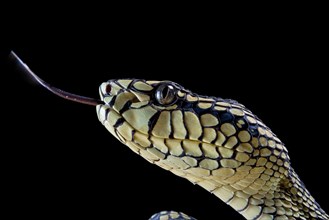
(60, 161)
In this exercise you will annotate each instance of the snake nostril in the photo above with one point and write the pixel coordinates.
(108, 89)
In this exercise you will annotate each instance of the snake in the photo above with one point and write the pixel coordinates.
(212, 142)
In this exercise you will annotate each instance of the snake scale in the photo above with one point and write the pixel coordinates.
(215, 143)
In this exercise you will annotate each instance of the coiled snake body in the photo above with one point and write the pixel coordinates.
(215, 143)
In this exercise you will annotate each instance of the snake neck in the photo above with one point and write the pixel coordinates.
(285, 198)
(296, 199)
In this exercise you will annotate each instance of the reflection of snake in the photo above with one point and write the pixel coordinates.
(213, 142)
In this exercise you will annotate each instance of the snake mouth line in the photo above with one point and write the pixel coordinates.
(19, 64)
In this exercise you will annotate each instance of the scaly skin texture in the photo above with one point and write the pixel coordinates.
(213, 142)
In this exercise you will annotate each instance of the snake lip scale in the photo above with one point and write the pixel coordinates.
(215, 143)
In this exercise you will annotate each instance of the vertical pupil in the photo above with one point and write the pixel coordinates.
(165, 92)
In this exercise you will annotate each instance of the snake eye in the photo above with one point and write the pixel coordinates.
(165, 94)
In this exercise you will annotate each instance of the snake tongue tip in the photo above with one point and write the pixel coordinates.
(22, 67)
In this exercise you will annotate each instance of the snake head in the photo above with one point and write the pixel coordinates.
(193, 136)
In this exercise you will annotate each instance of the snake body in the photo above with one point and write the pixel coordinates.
(215, 143)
